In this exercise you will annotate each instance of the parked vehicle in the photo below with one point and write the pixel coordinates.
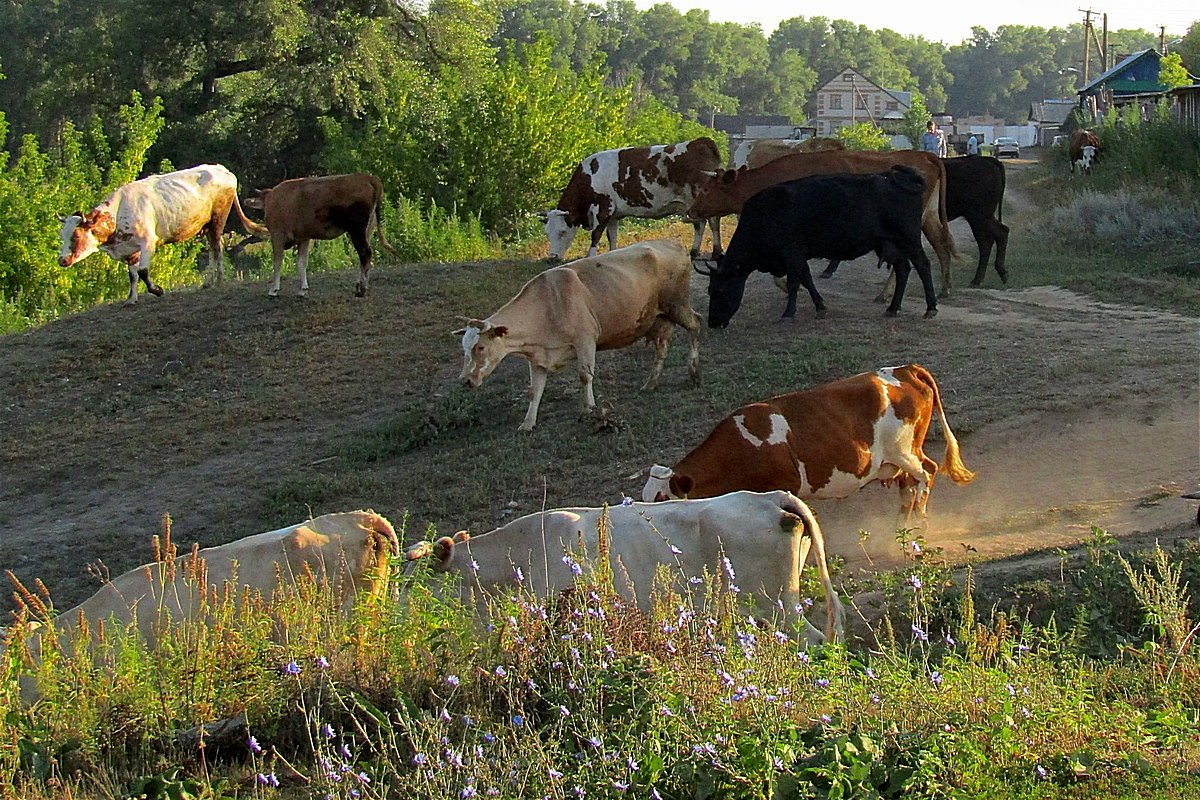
(1006, 146)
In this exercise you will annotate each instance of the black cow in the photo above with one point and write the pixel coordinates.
(824, 216)
(975, 192)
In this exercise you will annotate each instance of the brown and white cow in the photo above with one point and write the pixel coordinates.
(822, 443)
(729, 190)
(351, 551)
(603, 302)
(302, 209)
(647, 182)
(753, 153)
(1084, 148)
(766, 538)
(161, 209)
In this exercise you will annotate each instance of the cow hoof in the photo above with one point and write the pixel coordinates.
(1004, 278)
(891, 312)
(129, 303)
(976, 284)
(930, 313)
(944, 294)
(821, 313)
(272, 293)
(156, 291)
(359, 291)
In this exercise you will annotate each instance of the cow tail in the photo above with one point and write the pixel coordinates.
(250, 225)
(835, 614)
(943, 215)
(952, 465)
(1003, 183)
(378, 211)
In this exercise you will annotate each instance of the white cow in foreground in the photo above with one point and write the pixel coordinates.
(160, 209)
(766, 538)
(350, 550)
(600, 303)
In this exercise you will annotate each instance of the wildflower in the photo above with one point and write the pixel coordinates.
(826, 719)
(876, 699)
(629, 762)
(935, 678)
(327, 731)
(322, 662)
(950, 641)
(518, 575)
(500, 672)
(781, 637)
(870, 673)
(919, 634)
(419, 760)
(468, 720)
(694, 581)
(803, 656)
(1022, 648)
(292, 668)
(268, 779)
(563, 711)
(666, 712)
(915, 581)
(654, 795)
(577, 791)
(725, 562)
(808, 602)
(489, 737)
(253, 744)
(916, 547)
(620, 786)
(572, 565)
(345, 751)
(452, 681)
(1026, 712)
(444, 716)
(626, 500)
(1012, 692)
(468, 791)
(518, 720)
(1040, 772)
(363, 777)
(554, 774)
(822, 683)
(594, 741)
(676, 551)
(474, 565)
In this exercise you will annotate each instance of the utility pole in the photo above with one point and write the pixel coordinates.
(1087, 43)
(1162, 39)
(1104, 46)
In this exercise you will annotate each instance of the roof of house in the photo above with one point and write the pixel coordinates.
(1054, 112)
(1133, 74)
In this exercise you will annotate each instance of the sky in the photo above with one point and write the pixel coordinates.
(951, 22)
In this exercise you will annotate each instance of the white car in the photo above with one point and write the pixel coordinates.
(1006, 146)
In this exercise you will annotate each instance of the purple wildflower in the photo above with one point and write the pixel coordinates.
(919, 634)
(453, 681)
(419, 760)
(1040, 772)
(500, 672)
(253, 744)
(935, 678)
(518, 720)
(268, 779)
(327, 731)
(914, 581)
(292, 668)
(822, 683)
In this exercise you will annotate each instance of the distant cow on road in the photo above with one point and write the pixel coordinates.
(600, 303)
(302, 209)
(161, 209)
(646, 182)
(1084, 149)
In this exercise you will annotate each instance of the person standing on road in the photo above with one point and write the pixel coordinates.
(972, 145)
(933, 140)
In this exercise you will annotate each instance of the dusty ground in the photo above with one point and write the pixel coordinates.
(1072, 412)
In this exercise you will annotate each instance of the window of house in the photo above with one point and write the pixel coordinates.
(860, 102)
(848, 77)
(892, 105)
(835, 101)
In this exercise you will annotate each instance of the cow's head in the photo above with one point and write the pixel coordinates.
(1088, 159)
(440, 552)
(484, 347)
(725, 290)
(665, 484)
(560, 232)
(258, 200)
(82, 234)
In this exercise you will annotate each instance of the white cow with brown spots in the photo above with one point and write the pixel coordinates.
(823, 443)
(597, 303)
(161, 209)
(646, 182)
(766, 537)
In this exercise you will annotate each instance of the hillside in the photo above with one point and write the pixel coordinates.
(235, 412)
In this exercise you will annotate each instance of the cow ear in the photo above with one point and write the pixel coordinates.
(443, 550)
(417, 551)
(497, 331)
(461, 536)
(681, 485)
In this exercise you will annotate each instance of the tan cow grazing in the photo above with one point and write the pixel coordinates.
(1078, 149)
(729, 190)
(302, 209)
(603, 302)
(822, 443)
(766, 537)
(350, 550)
(162, 209)
(754, 153)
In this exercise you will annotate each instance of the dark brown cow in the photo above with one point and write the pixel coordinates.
(648, 182)
(729, 190)
(302, 209)
(824, 442)
(1077, 149)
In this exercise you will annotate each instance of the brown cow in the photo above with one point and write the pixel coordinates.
(599, 303)
(729, 190)
(1078, 148)
(753, 153)
(302, 209)
(824, 442)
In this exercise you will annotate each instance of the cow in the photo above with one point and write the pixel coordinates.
(766, 538)
(753, 153)
(599, 303)
(161, 209)
(786, 224)
(823, 443)
(1076, 144)
(299, 210)
(727, 191)
(974, 191)
(647, 182)
(350, 551)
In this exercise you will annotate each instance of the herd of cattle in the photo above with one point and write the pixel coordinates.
(740, 491)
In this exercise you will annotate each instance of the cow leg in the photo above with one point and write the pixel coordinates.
(797, 275)
(942, 248)
(585, 355)
(660, 334)
(902, 270)
(611, 230)
(302, 249)
(1000, 235)
(133, 280)
(359, 238)
(715, 224)
(537, 385)
(277, 251)
(213, 232)
(889, 287)
(697, 237)
(831, 268)
(151, 287)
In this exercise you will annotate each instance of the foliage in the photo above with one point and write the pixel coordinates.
(864, 136)
(1146, 149)
(1189, 48)
(1171, 71)
(581, 695)
(915, 119)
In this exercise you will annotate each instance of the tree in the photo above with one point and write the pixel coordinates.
(1171, 71)
(915, 119)
(1189, 49)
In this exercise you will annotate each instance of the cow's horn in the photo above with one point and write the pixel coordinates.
(712, 267)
